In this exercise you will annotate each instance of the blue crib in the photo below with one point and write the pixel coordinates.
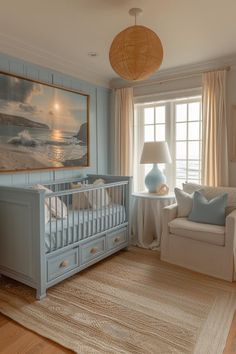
(50, 232)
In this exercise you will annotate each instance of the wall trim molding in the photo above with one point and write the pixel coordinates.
(179, 72)
(21, 50)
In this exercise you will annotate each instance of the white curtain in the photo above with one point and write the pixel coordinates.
(122, 132)
(215, 147)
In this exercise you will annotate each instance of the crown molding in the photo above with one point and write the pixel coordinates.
(21, 50)
(179, 72)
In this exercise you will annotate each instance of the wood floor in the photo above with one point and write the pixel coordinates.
(15, 339)
(230, 347)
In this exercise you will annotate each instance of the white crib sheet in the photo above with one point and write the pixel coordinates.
(81, 224)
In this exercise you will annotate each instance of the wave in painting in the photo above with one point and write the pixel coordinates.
(24, 138)
(41, 146)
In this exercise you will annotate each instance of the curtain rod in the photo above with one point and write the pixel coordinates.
(187, 76)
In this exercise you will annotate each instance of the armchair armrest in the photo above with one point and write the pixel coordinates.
(170, 213)
(230, 230)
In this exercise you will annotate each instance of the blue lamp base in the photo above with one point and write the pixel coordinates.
(154, 179)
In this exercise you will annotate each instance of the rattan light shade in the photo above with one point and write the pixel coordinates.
(136, 53)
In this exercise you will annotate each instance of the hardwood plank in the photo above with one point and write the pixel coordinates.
(17, 339)
(3, 320)
(230, 347)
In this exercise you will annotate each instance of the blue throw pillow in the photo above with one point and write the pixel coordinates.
(208, 211)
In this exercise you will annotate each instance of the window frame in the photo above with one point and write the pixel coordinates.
(187, 101)
(170, 133)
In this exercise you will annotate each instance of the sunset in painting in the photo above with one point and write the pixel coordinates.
(41, 126)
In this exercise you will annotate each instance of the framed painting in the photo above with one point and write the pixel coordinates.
(232, 134)
(42, 126)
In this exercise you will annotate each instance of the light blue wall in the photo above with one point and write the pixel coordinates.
(99, 117)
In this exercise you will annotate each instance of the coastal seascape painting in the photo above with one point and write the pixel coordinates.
(41, 126)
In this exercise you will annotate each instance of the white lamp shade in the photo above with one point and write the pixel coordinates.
(155, 152)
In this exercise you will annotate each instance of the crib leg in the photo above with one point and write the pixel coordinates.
(40, 293)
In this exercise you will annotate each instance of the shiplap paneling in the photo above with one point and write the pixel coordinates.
(103, 113)
(99, 116)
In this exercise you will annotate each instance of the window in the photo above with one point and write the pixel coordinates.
(179, 123)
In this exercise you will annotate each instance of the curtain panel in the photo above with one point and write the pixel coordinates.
(215, 146)
(122, 132)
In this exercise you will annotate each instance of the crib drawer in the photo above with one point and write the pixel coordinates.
(93, 249)
(62, 263)
(116, 239)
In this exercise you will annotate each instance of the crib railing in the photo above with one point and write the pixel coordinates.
(77, 214)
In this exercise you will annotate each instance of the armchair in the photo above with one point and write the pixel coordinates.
(204, 248)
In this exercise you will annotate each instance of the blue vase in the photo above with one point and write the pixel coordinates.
(154, 179)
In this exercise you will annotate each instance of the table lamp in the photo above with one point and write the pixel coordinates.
(155, 152)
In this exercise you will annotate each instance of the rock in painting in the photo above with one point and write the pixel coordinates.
(83, 161)
(82, 134)
(8, 119)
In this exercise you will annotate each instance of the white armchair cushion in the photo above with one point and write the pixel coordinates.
(213, 234)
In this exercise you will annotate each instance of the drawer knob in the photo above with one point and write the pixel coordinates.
(64, 264)
(93, 250)
(117, 239)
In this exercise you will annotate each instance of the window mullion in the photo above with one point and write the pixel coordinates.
(154, 127)
(187, 150)
(172, 141)
(200, 145)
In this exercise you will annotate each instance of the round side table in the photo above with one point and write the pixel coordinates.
(147, 218)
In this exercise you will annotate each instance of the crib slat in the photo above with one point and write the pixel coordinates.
(56, 237)
(83, 223)
(88, 216)
(102, 220)
(96, 193)
(73, 218)
(113, 194)
(78, 212)
(68, 220)
(107, 191)
(117, 205)
(123, 203)
(50, 220)
(93, 203)
(105, 213)
(62, 226)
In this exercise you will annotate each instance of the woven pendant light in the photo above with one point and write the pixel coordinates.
(136, 52)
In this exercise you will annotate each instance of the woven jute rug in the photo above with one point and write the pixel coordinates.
(130, 303)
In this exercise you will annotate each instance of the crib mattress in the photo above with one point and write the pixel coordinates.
(81, 224)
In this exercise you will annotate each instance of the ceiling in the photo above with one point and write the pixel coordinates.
(60, 33)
